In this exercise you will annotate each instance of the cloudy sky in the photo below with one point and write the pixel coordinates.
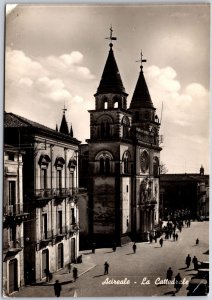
(55, 54)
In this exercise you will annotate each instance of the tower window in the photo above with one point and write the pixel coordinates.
(116, 104)
(104, 159)
(126, 159)
(105, 105)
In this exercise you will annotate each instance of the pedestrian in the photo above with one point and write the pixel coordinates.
(57, 288)
(155, 238)
(169, 274)
(176, 236)
(161, 242)
(178, 282)
(150, 238)
(134, 248)
(188, 261)
(173, 236)
(197, 241)
(93, 247)
(75, 273)
(69, 267)
(195, 262)
(46, 271)
(106, 265)
(114, 247)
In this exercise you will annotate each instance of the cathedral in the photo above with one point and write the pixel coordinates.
(123, 155)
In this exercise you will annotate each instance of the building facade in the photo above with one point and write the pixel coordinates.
(14, 216)
(123, 158)
(184, 195)
(50, 188)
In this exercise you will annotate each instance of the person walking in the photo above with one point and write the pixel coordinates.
(176, 236)
(106, 267)
(195, 262)
(75, 273)
(134, 248)
(69, 267)
(57, 288)
(188, 260)
(114, 247)
(197, 241)
(169, 274)
(173, 236)
(177, 282)
(161, 242)
(47, 273)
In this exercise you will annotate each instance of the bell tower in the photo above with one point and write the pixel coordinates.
(110, 158)
(145, 132)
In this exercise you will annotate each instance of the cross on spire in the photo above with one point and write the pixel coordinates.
(141, 60)
(64, 109)
(112, 38)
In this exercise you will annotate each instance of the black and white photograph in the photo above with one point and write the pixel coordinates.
(106, 150)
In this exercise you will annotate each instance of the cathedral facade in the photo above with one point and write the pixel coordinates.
(124, 158)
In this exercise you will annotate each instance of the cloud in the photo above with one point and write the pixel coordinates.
(49, 82)
(185, 120)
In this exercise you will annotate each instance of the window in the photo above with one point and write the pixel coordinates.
(126, 126)
(44, 161)
(116, 104)
(73, 221)
(105, 105)
(104, 158)
(59, 179)
(59, 163)
(59, 222)
(44, 226)
(11, 156)
(105, 129)
(155, 166)
(43, 178)
(12, 192)
(126, 161)
(105, 126)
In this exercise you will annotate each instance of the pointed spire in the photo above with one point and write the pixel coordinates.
(71, 131)
(64, 125)
(141, 97)
(111, 80)
(56, 127)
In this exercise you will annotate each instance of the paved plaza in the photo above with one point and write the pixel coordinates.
(138, 271)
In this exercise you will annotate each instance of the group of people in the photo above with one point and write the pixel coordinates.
(177, 279)
(194, 261)
(57, 284)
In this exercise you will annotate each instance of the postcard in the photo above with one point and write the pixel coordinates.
(106, 150)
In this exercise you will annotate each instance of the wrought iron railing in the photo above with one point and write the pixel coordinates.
(15, 209)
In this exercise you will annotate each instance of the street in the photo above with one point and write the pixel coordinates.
(137, 272)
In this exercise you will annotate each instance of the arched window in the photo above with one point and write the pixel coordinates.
(44, 161)
(155, 166)
(59, 163)
(102, 165)
(107, 165)
(126, 161)
(104, 122)
(126, 126)
(116, 104)
(104, 158)
(105, 104)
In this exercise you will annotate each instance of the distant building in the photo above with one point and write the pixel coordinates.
(14, 216)
(122, 159)
(184, 194)
(50, 188)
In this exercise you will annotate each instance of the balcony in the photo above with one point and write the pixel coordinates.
(16, 212)
(11, 248)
